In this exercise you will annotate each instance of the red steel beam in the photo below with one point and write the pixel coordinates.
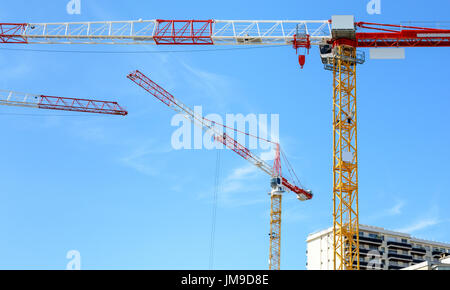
(306, 195)
(235, 146)
(12, 33)
(81, 105)
(153, 88)
(183, 32)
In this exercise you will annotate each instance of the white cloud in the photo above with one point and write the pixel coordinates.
(241, 173)
(420, 225)
(209, 84)
(138, 158)
(238, 187)
(394, 210)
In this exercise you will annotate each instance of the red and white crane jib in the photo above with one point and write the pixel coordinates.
(10, 98)
(210, 127)
(300, 33)
(169, 32)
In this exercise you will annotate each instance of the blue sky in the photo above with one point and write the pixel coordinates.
(113, 189)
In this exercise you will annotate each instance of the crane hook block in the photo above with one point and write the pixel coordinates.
(301, 60)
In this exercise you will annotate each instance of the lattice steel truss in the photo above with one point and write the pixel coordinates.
(17, 99)
(345, 162)
(200, 32)
(275, 231)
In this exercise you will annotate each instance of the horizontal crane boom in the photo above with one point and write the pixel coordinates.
(299, 33)
(167, 32)
(10, 98)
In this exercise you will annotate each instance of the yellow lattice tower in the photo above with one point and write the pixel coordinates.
(275, 230)
(345, 160)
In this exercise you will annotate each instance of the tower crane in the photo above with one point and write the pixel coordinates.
(338, 40)
(279, 183)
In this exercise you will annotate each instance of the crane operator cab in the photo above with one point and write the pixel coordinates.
(326, 53)
(277, 185)
(275, 182)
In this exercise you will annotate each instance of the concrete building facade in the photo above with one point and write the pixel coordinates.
(380, 249)
(443, 264)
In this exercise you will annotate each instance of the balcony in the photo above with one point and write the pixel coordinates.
(392, 244)
(373, 266)
(418, 261)
(400, 257)
(419, 251)
(396, 267)
(373, 252)
(367, 240)
(438, 253)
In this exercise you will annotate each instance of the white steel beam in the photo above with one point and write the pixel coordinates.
(224, 32)
(9, 98)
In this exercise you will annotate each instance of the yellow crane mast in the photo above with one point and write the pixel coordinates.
(345, 161)
(275, 230)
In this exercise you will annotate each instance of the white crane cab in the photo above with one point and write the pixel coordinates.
(326, 53)
(277, 186)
